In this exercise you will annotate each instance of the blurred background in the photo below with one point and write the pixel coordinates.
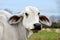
(50, 8)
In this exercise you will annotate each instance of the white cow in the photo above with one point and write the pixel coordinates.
(21, 26)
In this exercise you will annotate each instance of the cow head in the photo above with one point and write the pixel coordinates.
(30, 18)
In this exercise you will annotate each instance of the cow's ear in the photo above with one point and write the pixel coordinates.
(15, 19)
(44, 20)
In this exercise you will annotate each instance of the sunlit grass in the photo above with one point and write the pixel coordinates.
(44, 35)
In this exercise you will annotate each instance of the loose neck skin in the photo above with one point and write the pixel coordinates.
(14, 32)
(21, 32)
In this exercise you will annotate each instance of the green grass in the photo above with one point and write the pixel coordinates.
(44, 35)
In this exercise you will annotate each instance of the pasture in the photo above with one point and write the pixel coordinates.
(45, 35)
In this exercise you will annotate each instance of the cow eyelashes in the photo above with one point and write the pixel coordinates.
(26, 14)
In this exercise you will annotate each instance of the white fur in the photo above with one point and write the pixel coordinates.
(18, 31)
(5, 13)
(10, 32)
(32, 17)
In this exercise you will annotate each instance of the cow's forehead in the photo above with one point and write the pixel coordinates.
(31, 9)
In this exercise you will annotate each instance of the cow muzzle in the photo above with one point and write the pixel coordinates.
(37, 27)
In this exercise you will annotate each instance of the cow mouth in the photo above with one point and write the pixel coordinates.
(35, 30)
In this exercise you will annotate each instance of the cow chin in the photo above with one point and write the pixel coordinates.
(35, 30)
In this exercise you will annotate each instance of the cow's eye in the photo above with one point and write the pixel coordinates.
(26, 14)
(38, 13)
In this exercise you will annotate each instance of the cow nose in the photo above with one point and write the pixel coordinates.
(37, 26)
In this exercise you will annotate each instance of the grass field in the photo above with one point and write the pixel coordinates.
(44, 35)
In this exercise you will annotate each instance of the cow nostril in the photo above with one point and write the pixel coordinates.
(37, 26)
